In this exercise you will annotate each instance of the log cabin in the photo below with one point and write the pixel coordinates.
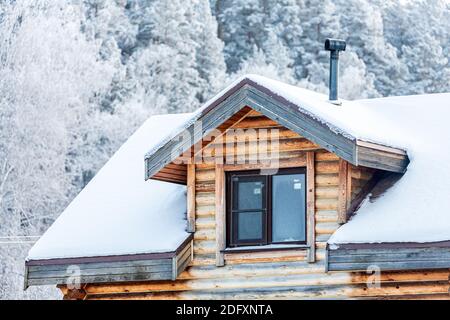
(268, 191)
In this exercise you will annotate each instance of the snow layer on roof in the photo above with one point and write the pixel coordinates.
(417, 207)
(118, 212)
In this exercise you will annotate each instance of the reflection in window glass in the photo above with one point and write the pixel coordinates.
(250, 195)
(249, 225)
(288, 208)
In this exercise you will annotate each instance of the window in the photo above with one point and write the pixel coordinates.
(264, 209)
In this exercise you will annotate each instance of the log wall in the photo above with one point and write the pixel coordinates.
(280, 274)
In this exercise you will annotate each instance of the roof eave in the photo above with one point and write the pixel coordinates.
(393, 256)
(117, 268)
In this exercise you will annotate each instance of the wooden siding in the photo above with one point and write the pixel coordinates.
(275, 274)
(280, 280)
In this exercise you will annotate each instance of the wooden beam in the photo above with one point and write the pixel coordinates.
(299, 161)
(74, 294)
(343, 189)
(191, 197)
(310, 205)
(349, 189)
(220, 215)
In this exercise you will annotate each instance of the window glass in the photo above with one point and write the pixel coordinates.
(288, 208)
(249, 226)
(250, 195)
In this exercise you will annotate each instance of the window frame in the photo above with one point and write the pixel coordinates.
(267, 223)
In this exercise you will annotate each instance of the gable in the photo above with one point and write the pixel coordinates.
(247, 95)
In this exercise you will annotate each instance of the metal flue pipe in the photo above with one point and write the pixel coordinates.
(334, 46)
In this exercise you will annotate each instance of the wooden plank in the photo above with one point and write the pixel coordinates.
(443, 252)
(343, 189)
(104, 278)
(388, 259)
(349, 189)
(380, 147)
(310, 205)
(105, 270)
(220, 214)
(253, 147)
(191, 197)
(381, 159)
(389, 266)
(176, 181)
(25, 278)
(174, 268)
(282, 163)
(88, 266)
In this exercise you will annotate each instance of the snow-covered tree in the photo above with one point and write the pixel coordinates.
(49, 78)
(421, 35)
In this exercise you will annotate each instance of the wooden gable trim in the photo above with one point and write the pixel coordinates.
(250, 94)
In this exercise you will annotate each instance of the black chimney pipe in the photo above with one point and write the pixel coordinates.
(334, 46)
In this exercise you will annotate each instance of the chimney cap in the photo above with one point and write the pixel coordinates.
(335, 45)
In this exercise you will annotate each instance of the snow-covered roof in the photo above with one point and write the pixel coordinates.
(417, 207)
(118, 213)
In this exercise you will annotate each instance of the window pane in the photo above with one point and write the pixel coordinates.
(288, 208)
(250, 195)
(249, 226)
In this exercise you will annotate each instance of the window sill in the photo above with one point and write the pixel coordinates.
(272, 247)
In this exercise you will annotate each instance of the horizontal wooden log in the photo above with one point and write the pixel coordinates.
(327, 180)
(327, 192)
(326, 216)
(326, 156)
(253, 148)
(256, 122)
(206, 234)
(203, 223)
(257, 134)
(327, 167)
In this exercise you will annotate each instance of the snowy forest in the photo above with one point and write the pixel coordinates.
(77, 77)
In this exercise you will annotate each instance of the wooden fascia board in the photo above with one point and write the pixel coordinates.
(377, 156)
(101, 262)
(115, 258)
(357, 257)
